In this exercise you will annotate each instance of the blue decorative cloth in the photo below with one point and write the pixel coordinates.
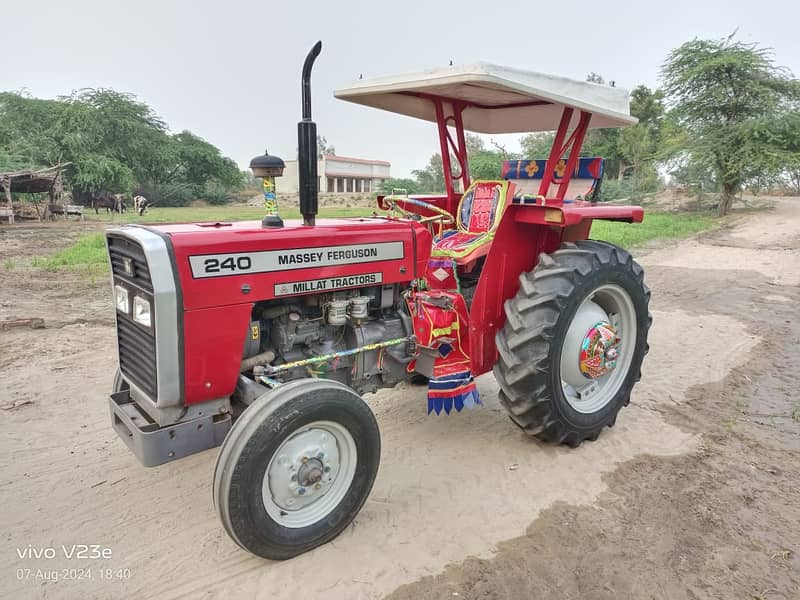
(456, 390)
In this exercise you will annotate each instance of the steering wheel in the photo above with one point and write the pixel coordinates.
(441, 214)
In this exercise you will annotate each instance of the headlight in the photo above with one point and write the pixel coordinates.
(141, 311)
(121, 299)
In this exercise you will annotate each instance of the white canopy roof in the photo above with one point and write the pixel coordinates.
(499, 99)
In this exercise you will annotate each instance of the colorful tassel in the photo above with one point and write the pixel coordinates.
(457, 391)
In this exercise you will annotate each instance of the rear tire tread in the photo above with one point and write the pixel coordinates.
(524, 344)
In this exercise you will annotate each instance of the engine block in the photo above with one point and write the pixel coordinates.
(329, 324)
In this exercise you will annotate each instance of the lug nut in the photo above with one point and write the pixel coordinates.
(301, 491)
(318, 486)
(327, 469)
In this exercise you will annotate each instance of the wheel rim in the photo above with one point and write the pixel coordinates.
(598, 349)
(309, 474)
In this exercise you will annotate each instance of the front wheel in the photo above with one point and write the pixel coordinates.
(296, 468)
(573, 343)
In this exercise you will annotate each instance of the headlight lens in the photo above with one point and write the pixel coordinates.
(121, 299)
(141, 311)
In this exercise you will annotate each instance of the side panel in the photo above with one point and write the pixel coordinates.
(221, 267)
(214, 343)
(218, 307)
(515, 250)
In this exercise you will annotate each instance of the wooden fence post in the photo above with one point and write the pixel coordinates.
(7, 187)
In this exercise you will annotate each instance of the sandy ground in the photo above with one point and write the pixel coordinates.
(692, 495)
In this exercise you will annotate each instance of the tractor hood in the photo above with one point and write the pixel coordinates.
(242, 262)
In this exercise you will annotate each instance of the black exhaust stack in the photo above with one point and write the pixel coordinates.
(307, 146)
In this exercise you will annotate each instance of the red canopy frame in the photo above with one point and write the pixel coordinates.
(454, 149)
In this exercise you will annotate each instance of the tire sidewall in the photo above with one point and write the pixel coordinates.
(253, 528)
(605, 274)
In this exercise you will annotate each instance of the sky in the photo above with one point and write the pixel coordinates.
(229, 71)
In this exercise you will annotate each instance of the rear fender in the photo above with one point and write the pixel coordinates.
(524, 233)
(515, 250)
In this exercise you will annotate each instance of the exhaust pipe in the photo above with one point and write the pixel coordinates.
(307, 146)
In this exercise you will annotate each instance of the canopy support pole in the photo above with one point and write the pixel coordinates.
(452, 148)
(561, 147)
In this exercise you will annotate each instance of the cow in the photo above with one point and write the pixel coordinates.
(121, 199)
(111, 202)
(140, 204)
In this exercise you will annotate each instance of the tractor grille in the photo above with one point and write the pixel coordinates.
(137, 355)
(136, 343)
(120, 249)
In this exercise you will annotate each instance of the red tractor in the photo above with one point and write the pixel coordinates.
(262, 337)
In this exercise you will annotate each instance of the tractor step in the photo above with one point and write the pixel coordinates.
(154, 445)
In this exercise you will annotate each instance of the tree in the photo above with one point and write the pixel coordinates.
(727, 96)
(114, 143)
(537, 145)
(409, 186)
(638, 146)
(787, 137)
(431, 178)
(486, 164)
(198, 162)
(474, 143)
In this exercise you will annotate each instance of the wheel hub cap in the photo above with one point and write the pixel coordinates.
(306, 467)
(599, 350)
(310, 473)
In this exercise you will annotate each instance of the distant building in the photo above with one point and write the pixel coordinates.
(340, 174)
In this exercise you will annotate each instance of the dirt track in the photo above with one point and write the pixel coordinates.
(693, 494)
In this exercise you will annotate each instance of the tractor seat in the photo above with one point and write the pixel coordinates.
(527, 175)
(477, 218)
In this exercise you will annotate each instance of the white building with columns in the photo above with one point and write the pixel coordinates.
(338, 174)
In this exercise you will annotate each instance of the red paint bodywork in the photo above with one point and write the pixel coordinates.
(217, 310)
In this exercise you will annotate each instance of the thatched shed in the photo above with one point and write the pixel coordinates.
(47, 181)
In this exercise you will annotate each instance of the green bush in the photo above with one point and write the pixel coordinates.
(217, 194)
(616, 189)
(168, 194)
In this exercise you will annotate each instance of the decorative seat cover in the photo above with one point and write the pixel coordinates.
(477, 218)
(588, 172)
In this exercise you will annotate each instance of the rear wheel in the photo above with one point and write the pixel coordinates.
(296, 468)
(573, 343)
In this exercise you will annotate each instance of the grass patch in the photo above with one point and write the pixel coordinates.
(655, 226)
(200, 214)
(88, 253)
(8, 264)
